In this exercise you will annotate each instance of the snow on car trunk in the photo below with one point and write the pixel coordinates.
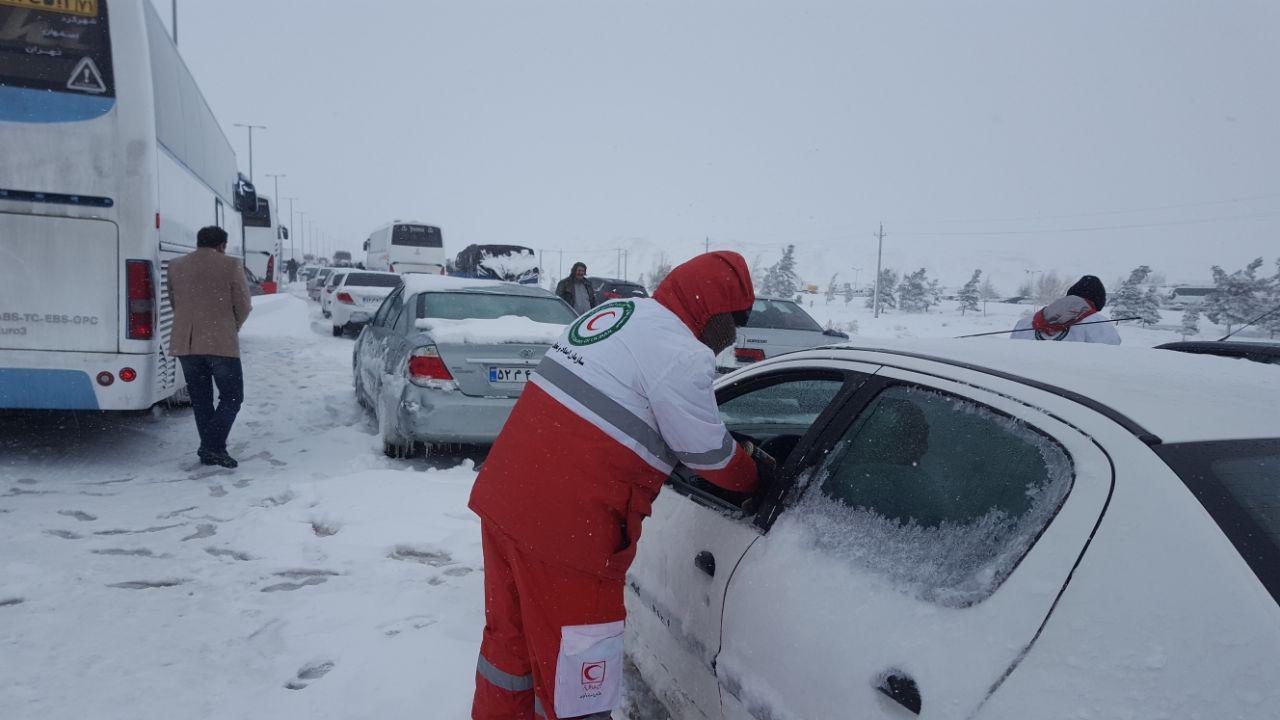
(491, 357)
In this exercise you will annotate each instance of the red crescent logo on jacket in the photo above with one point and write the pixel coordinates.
(593, 672)
(591, 324)
(601, 323)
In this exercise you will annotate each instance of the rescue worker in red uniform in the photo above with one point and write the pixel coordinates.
(622, 397)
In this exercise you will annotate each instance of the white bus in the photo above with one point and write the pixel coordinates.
(404, 247)
(110, 161)
(261, 244)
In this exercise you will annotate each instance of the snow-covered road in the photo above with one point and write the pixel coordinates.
(318, 580)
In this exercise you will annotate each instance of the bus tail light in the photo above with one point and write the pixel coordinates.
(346, 299)
(141, 301)
(128, 374)
(271, 268)
(426, 365)
(749, 355)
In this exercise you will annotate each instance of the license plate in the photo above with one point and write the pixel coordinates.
(499, 374)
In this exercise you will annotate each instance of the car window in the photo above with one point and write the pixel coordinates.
(389, 308)
(781, 315)
(469, 305)
(371, 280)
(942, 495)
(793, 403)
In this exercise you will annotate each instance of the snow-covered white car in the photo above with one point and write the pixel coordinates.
(357, 296)
(444, 359)
(326, 290)
(968, 529)
(776, 326)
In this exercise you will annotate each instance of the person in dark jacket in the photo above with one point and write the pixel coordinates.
(576, 289)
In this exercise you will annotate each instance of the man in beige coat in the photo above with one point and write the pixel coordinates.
(210, 304)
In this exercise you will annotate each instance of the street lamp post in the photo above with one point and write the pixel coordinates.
(302, 225)
(251, 128)
(855, 276)
(292, 229)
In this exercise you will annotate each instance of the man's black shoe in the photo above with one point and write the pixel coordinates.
(214, 458)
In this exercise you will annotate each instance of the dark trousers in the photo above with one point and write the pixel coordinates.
(202, 373)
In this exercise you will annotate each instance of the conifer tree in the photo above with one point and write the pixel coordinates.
(970, 294)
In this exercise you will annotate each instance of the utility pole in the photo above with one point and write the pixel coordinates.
(302, 225)
(174, 10)
(855, 276)
(879, 257)
(618, 270)
(251, 128)
(292, 229)
(626, 255)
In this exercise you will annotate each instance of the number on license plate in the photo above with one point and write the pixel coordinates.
(509, 374)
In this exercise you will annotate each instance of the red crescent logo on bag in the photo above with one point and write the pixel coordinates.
(593, 673)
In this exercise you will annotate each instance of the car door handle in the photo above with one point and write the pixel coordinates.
(899, 687)
(706, 562)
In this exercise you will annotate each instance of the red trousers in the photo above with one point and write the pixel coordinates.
(548, 630)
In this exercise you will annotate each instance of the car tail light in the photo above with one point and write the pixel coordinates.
(141, 300)
(346, 299)
(128, 374)
(425, 365)
(391, 267)
(748, 354)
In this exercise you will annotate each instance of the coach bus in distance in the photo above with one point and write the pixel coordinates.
(110, 161)
(405, 247)
(261, 243)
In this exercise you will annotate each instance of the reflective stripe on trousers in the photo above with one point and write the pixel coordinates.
(537, 710)
(504, 680)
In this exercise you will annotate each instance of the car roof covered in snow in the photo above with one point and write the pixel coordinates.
(1179, 397)
(424, 282)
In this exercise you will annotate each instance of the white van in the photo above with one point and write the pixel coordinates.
(404, 247)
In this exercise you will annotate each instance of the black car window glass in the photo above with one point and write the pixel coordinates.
(941, 494)
(390, 309)
(781, 315)
(371, 280)
(487, 306)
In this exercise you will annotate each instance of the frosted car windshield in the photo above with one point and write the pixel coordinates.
(781, 315)
(463, 306)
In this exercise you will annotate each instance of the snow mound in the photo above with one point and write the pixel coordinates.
(278, 315)
(506, 329)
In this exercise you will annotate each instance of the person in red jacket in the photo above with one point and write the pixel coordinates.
(620, 399)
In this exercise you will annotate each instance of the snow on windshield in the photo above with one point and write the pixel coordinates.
(944, 529)
(506, 329)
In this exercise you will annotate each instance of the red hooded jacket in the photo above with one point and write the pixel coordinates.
(621, 398)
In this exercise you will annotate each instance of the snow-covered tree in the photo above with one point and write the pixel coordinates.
(970, 295)
(888, 286)
(1149, 310)
(918, 293)
(758, 272)
(659, 272)
(1049, 286)
(831, 289)
(1025, 290)
(1128, 299)
(988, 293)
(781, 280)
(1190, 322)
(1271, 323)
(1236, 298)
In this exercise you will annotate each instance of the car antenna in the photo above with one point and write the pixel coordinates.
(1264, 315)
(1009, 332)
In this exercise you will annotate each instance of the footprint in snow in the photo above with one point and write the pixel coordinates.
(305, 578)
(217, 491)
(27, 481)
(423, 555)
(226, 552)
(203, 530)
(64, 534)
(79, 515)
(413, 622)
(311, 671)
(148, 584)
(137, 552)
(175, 513)
(157, 528)
(10, 602)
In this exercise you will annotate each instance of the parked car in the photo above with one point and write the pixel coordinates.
(444, 359)
(317, 281)
(776, 326)
(326, 293)
(1263, 352)
(357, 296)
(613, 288)
(956, 530)
(512, 263)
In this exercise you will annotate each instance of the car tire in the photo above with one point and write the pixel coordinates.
(338, 330)
(326, 313)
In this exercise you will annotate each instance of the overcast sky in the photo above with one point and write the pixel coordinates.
(978, 132)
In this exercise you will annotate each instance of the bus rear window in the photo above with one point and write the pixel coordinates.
(417, 236)
(58, 45)
(781, 315)
(1238, 482)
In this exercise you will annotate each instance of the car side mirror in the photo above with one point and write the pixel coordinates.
(284, 233)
